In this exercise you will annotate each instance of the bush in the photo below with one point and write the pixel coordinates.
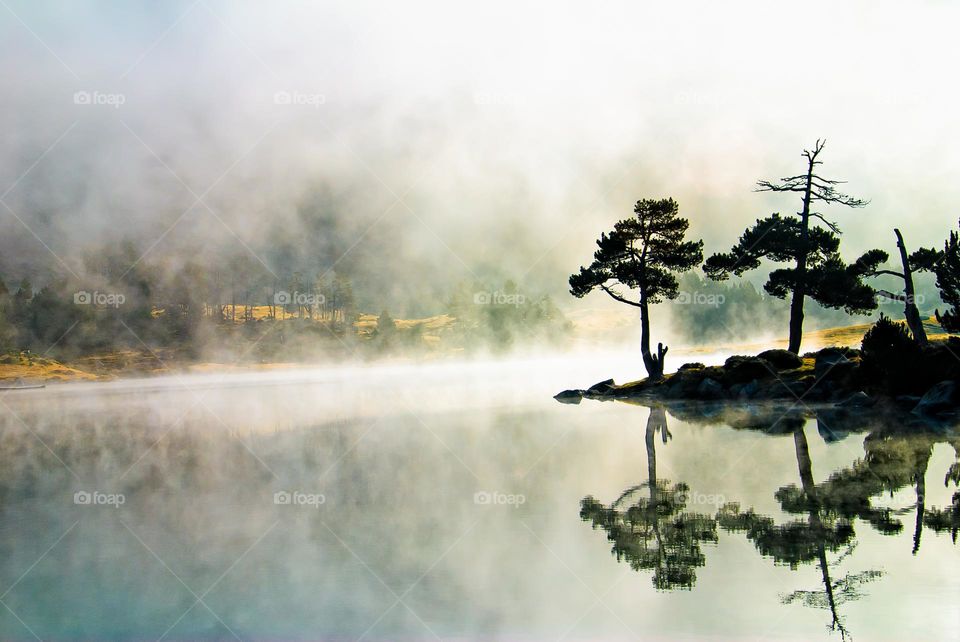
(890, 358)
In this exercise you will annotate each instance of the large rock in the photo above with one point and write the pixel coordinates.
(710, 389)
(780, 389)
(601, 388)
(684, 384)
(832, 363)
(569, 396)
(941, 399)
(781, 359)
(749, 390)
(696, 365)
(741, 369)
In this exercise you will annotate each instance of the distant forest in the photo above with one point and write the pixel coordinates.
(236, 308)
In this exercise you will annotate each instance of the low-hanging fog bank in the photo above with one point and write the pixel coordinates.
(419, 145)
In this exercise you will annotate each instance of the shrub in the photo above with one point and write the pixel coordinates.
(890, 358)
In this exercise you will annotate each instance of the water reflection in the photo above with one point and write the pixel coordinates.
(648, 524)
(656, 533)
(401, 519)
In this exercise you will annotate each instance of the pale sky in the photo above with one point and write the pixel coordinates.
(487, 136)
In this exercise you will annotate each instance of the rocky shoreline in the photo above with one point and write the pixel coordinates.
(831, 378)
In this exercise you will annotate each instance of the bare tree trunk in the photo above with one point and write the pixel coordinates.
(653, 364)
(910, 311)
(800, 286)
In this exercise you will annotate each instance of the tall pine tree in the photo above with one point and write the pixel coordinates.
(642, 253)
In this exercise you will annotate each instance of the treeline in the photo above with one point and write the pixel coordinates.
(233, 306)
(504, 317)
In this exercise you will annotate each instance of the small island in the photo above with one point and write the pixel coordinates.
(897, 368)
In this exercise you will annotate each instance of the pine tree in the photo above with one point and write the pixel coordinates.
(817, 271)
(948, 282)
(642, 253)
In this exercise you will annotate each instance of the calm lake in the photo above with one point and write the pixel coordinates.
(461, 502)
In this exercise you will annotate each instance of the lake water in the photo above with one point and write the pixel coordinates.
(460, 502)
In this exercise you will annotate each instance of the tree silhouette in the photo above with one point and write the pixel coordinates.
(948, 282)
(818, 271)
(642, 253)
(654, 532)
(825, 530)
(923, 259)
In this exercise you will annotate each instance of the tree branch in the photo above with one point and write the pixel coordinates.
(891, 295)
(618, 297)
(833, 226)
(890, 272)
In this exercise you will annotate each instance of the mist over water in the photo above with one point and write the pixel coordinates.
(409, 515)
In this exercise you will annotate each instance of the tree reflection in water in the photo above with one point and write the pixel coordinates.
(648, 524)
(651, 529)
(826, 530)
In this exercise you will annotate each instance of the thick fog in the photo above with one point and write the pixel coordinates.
(421, 144)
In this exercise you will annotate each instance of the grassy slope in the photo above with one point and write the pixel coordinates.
(32, 368)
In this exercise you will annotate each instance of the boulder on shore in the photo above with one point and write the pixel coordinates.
(601, 387)
(710, 389)
(569, 396)
(741, 369)
(781, 359)
(941, 399)
(832, 363)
